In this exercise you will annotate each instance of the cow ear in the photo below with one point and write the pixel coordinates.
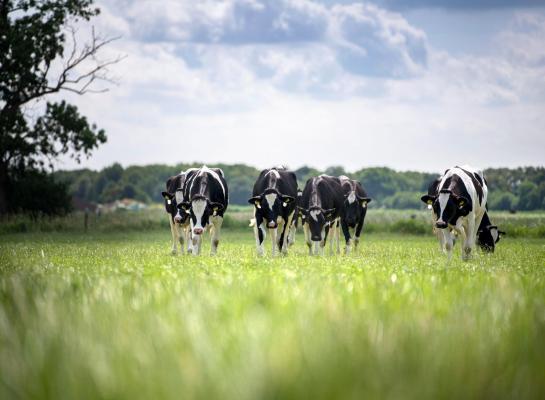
(216, 208)
(286, 200)
(256, 201)
(184, 206)
(428, 199)
(502, 232)
(461, 202)
(364, 201)
(167, 195)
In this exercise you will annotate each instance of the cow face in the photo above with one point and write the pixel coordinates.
(447, 207)
(174, 200)
(354, 206)
(488, 237)
(271, 205)
(317, 218)
(200, 210)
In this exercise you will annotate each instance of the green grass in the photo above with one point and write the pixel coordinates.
(114, 316)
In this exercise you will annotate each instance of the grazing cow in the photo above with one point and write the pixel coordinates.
(321, 206)
(206, 198)
(459, 204)
(177, 218)
(354, 211)
(274, 198)
(488, 235)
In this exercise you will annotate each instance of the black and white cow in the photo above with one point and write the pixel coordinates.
(206, 197)
(178, 219)
(353, 211)
(321, 206)
(459, 204)
(488, 235)
(274, 198)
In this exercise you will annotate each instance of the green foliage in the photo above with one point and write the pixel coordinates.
(388, 188)
(114, 316)
(37, 193)
(36, 61)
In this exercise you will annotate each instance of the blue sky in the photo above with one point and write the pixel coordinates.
(407, 84)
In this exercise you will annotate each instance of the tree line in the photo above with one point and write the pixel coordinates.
(509, 189)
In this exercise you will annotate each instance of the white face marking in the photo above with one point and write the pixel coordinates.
(271, 198)
(443, 199)
(179, 196)
(351, 197)
(314, 214)
(198, 207)
(495, 234)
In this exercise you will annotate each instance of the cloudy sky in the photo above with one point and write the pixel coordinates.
(423, 84)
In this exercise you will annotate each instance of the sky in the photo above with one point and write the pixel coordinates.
(420, 85)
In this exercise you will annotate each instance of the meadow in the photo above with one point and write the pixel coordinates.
(110, 314)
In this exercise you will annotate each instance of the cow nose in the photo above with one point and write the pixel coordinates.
(198, 231)
(441, 224)
(316, 238)
(178, 219)
(271, 224)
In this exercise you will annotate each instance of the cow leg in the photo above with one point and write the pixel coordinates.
(347, 238)
(187, 233)
(292, 231)
(447, 239)
(274, 233)
(259, 233)
(359, 228)
(469, 241)
(215, 234)
(175, 235)
(196, 239)
(283, 241)
(306, 230)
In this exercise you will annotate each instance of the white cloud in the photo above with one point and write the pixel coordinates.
(200, 83)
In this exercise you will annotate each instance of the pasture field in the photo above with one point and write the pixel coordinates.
(115, 316)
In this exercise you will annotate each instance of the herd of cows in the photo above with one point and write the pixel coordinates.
(197, 199)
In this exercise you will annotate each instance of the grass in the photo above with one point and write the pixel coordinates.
(114, 316)
(417, 222)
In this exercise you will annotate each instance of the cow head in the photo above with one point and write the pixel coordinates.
(317, 218)
(354, 207)
(488, 236)
(447, 207)
(270, 205)
(174, 200)
(200, 210)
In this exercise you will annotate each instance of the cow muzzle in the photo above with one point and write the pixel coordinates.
(441, 224)
(272, 225)
(316, 238)
(178, 219)
(198, 231)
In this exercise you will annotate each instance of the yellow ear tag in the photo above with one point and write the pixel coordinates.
(462, 203)
(257, 204)
(430, 202)
(215, 211)
(284, 204)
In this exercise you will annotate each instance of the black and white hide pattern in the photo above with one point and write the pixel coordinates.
(178, 219)
(206, 197)
(274, 199)
(488, 234)
(459, 205)
(353, 211)
(321, 205)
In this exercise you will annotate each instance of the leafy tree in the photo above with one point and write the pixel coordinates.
(39, 56)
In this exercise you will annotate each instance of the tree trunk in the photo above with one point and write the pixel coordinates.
(3, 189)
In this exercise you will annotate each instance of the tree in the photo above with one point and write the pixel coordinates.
(40, 56)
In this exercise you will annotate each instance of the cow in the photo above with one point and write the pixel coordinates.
(459, 204)
(295, 220)
(206, 197)
(353, 211)
(488, 235)
(173, 195)
(321, 206)
(274, 199)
